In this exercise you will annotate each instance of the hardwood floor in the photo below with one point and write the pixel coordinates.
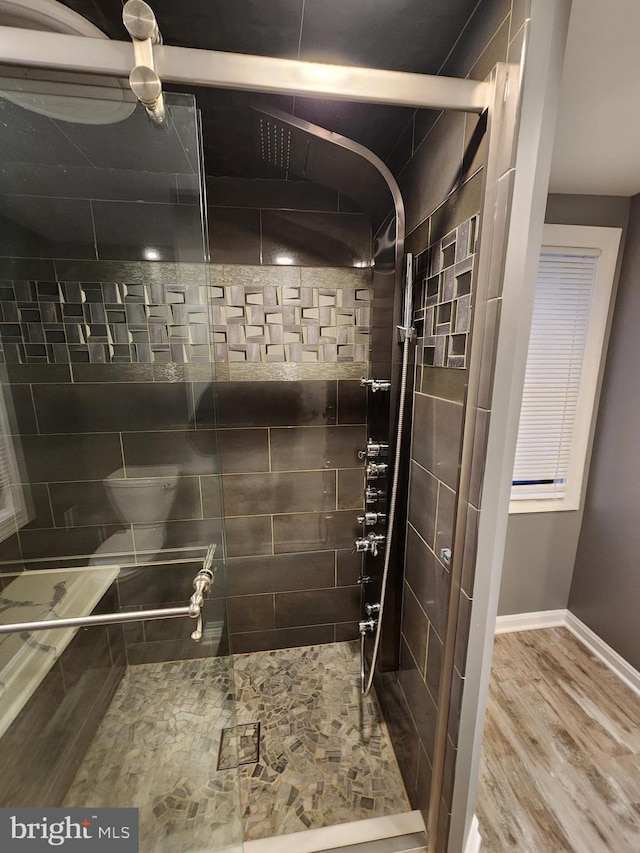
(561, 752)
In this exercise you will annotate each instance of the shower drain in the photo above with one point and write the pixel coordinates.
(239, 745)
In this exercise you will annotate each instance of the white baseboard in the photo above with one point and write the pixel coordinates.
(531, 621)
(474, 839)
(607, 655)
(564, 618)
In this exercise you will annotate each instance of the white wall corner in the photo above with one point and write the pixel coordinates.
(474, 839)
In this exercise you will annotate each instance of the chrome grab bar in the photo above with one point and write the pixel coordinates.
(201, 584)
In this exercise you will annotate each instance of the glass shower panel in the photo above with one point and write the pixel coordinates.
(110, 494)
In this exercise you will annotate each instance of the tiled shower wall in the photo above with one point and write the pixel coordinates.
(288, 454)
(291, 320)
(438, 161)
(292, 487)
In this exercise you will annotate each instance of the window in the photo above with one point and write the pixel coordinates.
(568, 330)
(13, 511)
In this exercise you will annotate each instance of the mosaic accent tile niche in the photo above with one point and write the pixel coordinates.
(165, 313)
(295, 314)
(444, 274)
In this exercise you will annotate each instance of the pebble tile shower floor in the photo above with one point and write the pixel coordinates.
(325, 757)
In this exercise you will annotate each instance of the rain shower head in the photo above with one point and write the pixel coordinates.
(308, 151)
(274, 143)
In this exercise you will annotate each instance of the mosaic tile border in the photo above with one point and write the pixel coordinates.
(299, 315)
(93, 322)
(443, 286)
(244, 315)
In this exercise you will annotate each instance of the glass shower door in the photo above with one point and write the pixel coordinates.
(110, 492)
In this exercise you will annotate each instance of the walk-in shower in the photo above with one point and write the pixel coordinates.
(216, 385)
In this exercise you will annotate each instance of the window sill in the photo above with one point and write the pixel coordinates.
(530, 507)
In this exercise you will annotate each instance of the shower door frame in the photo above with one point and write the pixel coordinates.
(521, 104)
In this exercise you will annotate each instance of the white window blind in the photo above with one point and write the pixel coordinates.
(564, 291)
(568, 331)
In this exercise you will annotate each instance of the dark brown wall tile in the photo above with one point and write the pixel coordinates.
(346, 631)
(234, 236)
(71, 457)
(425, 778)
(192, 451)
(247, 537)
(283, 638)
(479, 454)
(352, 402)
(415, 627)
(445, 518)
(428, 580)
(434, 170)
(423, 502)
(246, 404)
(314, 531)
(349, 567)
(159, 584)
(437, 435)
(243, 450)
(75, 541)
(113, 407)
(461, 205)
(22, 420)
(419, 700)
(211, 488)
(445, 382)
(80, 504)
(435, 649)
(167, 650)
(280, 573)
(307, 448)
(351, 489)
(297, 491)
(455, 702)
(315, 239)
(317, 607)
(251, 613)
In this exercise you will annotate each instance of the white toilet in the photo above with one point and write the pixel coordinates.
(144, 497)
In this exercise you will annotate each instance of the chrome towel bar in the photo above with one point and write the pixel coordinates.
(99, 619)
(201, 584)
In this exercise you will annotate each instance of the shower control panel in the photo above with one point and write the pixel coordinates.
(370, 543)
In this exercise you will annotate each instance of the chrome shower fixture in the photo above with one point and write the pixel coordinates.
(369, 544)
(142, 26)
(376, 384)
(374, 448)
(371, 518)
(375, 470)
(373, 495)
